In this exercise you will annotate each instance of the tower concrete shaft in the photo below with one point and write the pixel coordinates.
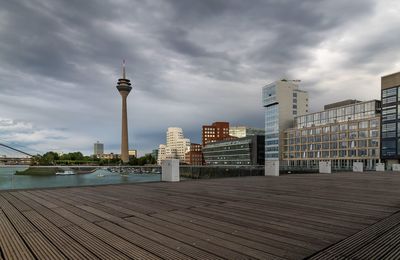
(124, 87)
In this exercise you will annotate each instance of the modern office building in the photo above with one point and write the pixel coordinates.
(344, 133)
(390, 120)
(195, 155)
(98, 149)
(243, 131)
(241, 151)
(176, 146)
(217, 131)
(283, 101)
(124, 88)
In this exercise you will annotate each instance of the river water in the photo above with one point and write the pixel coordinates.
(100, 177)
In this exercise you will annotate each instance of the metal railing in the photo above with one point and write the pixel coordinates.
(220, 171)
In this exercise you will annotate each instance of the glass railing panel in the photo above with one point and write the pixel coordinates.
(25, 177)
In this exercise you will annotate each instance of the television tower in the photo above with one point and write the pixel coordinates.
(124, 87)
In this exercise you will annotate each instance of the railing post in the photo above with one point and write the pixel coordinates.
(170, 170)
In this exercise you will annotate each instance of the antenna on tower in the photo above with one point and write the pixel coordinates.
(123, 68)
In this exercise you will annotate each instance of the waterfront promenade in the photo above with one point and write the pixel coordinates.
(331, 216)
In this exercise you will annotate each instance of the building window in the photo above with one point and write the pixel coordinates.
(389, 100)
(363, 124)
(386, 111)
(388, 148)
(389, 117)
(389, 92)
(374, 123)
(388, 127)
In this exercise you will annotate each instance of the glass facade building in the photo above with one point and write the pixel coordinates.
(282, 100)
(241, 151)
(342, 135)
(390, 121)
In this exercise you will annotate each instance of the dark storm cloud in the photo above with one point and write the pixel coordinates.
(190, 61)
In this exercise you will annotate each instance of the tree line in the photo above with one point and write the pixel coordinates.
(75, 158)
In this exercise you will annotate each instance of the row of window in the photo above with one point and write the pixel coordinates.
(333, 154)
(389, 92)
(374, 123)
(332, 137)
(334, 145)
(339, 114)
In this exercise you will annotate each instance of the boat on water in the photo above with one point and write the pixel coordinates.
(65, 173)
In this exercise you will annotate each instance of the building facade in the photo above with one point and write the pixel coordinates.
(154, 154)
(110, 156)
(390, 120)
(241, 151)
(195, 155)
(345, 133)
(283, 101)
(132, 154)
(217, 131)
(98, 149)
(243, 131)
(176, 146)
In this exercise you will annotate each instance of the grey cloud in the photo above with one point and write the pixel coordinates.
(190, 61)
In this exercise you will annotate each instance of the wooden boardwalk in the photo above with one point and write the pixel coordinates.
(331, 216)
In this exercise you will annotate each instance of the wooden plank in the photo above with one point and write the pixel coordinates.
(69, 247)
(12, 245)
(373, 242)
(241, 232)
(239, 241)
(288, 217)
(98, 247)
(91, 243)
(41, 247)
(153, 247)
(113, 240)
(186, 249)
(38, 244)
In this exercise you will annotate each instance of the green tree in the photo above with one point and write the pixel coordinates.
(48, 158)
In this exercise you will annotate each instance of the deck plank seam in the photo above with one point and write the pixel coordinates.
(326, 249)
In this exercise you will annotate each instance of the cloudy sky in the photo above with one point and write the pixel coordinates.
(192, 62)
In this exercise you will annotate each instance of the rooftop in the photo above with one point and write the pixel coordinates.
(341, 103)
(320, 216)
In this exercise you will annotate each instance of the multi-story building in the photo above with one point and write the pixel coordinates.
(283, 100)
(217, 131)
(176, 146)
(154, 154)
(240, 151)
(343, 133)
(390, 120)
(195, 155)
(132, 154)
(98, 149)
(243, 131)
(109, 156)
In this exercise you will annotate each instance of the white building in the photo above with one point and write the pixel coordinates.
(283, 101)
(176, 146)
